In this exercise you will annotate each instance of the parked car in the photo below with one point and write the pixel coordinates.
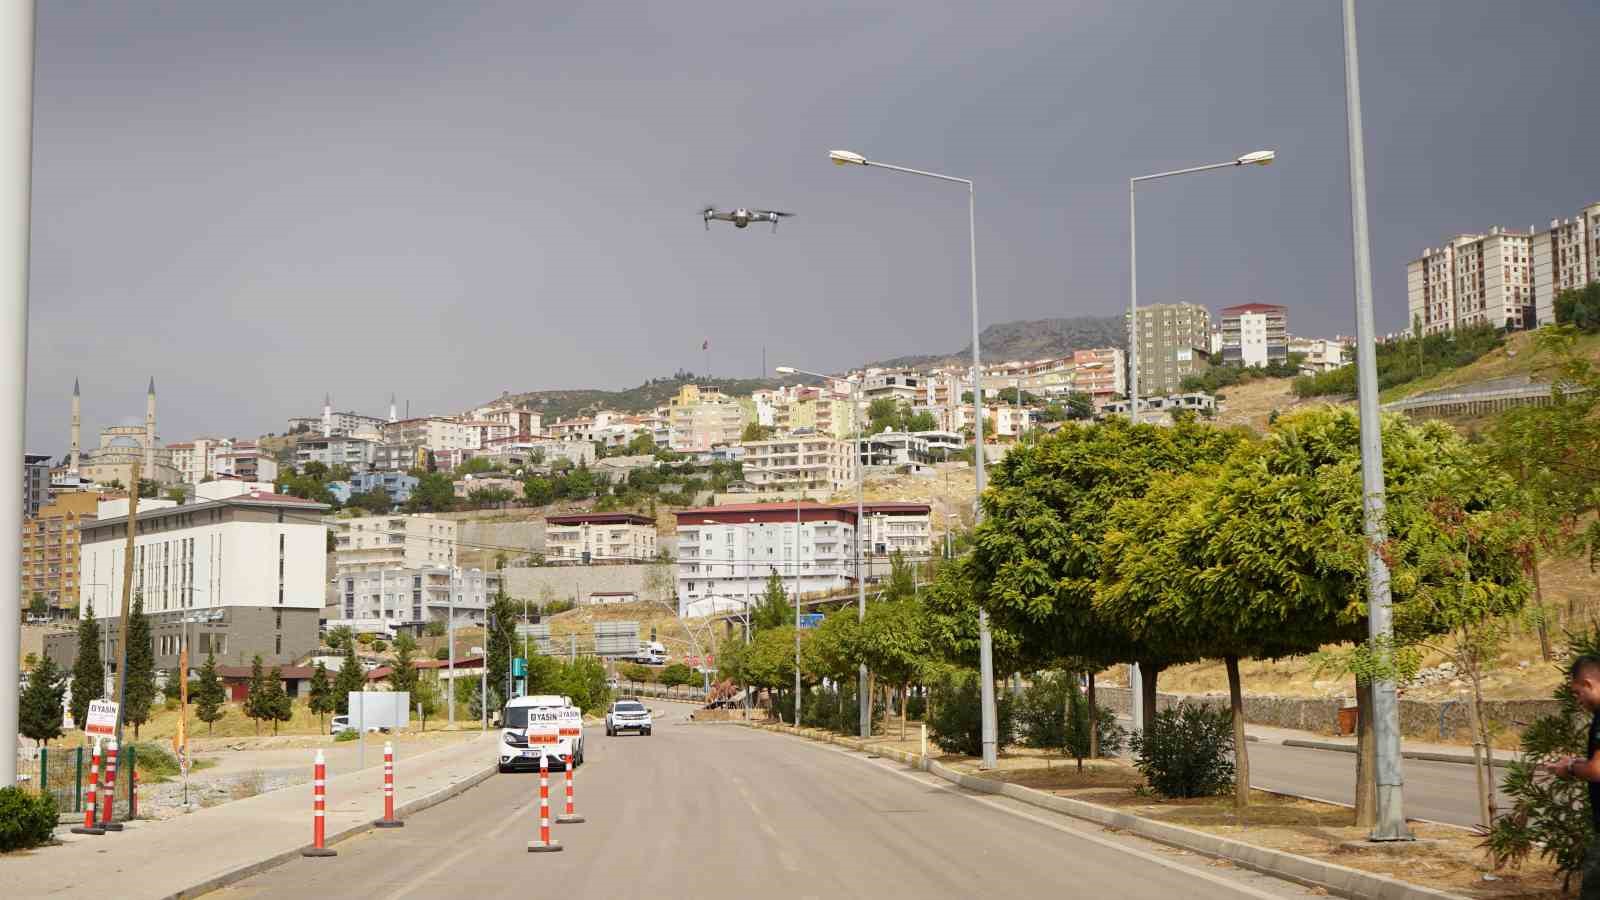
(342, 723)
(524, 719)
(628, 715)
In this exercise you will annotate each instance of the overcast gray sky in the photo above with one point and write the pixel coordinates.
(258, 203)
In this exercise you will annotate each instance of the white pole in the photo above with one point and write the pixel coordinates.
(450, 638)
(797, 446)
(1133, 317)
(16, 120)
(990, 724)
(863, 701)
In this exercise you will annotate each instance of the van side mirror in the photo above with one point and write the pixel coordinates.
(497, 721)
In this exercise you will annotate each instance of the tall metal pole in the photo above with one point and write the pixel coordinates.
(863, 701)
(797, 596)
(1135, 677)
(16, 121)
(450, 639)
(991, 750)
(127, 597)
(1391, 821)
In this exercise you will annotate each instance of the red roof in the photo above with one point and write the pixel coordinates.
(903, 508)
(1253, 308)
(600, 519)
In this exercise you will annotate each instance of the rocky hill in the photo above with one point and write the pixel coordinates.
(1033, 339)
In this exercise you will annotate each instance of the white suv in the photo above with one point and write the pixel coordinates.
(627, 715)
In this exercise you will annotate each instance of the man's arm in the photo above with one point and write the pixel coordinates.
(1576, 767)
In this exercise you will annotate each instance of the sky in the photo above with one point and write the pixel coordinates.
(258, 204)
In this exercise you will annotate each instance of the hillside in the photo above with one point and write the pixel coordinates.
(644, 398)
(1035, 339)
(1519, 356)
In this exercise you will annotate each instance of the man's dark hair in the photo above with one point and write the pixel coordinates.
(1585, 664)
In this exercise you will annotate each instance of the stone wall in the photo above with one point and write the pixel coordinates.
(528, 536)
(576, 582)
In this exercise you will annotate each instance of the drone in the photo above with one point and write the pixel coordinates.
(741, 217)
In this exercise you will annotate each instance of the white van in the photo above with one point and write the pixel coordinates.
(544, 725)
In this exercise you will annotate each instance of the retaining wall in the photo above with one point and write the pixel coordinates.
(574, 582)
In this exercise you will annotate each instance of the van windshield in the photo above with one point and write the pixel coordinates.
(517, 716)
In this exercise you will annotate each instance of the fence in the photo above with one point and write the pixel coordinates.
(63, 773)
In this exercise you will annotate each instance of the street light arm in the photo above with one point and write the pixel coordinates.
(911, 171)
(1190, 171)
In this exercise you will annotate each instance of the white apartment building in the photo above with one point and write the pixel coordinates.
(1320, 354)
(726, 553)
(434, 433)
(355, 453)
(522, 454)
(521, 421)
(1566, 256)
(396, 541)
(196, 460)
(813, 464)
(410, 596)
(890, 527)
(246, 461)
(700, 418)
(904, 387)
(1255, 335)
(597, 537)
(1005, 420)
(1476, 279)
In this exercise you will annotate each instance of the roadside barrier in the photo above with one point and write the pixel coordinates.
(110, 793)
(88, 826)
(544, 844)
(571, 816)
(388, 820)
(319, 809)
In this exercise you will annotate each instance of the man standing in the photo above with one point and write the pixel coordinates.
(1584, 679)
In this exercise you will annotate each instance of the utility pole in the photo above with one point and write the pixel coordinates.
(1391, 820)
(16, 158)
(127, 597)
(797, 597)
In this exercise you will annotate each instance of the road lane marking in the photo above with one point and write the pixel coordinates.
(517, 813)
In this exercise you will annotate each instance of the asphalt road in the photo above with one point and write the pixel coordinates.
(716, 811)
(1440, 792)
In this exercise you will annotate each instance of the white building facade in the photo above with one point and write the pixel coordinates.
(727, 553)
(410, 596)
(1565, 256)
(814, 464)
(1475, 279)
(599, 537)
(372, 543)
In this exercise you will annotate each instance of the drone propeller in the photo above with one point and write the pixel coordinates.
(776, 215)
(706, 214)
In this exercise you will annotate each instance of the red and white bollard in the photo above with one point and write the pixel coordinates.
(319, 809)
(544, 844)
(88, 826)
(110, 792)
(571, 816)
(388, 820)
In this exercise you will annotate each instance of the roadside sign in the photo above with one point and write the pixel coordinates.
(544, 726)
(570, 722)
(694, 662)
(810, 620)
(102, 718)
(519, 668)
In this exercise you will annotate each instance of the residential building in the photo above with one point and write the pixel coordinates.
(394, 541)
(354, 453)
(398, 485)
(240, 571)
(894, 448)
(413, 596)
(196, 460)
(888, 528)
(1317, 354)
(35, 483)
(726, 553)
(435, 433)
(516, 454)
(333, 423)
(1565, 256)
(766, 403)
(597, 537)
(522, 421)
(1160, 409)
(1005, 420)
(1255, 335)
(809, 464)
(1172, 339)
(1102, 373)
(701, 418)
(51, 549)
(246, 462)
(1475, 279)
(904, 387)
(1041, 377)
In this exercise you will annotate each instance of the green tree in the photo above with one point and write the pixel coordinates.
(902, 578)
(755, 432)
(40, 718)
(427, 699)
(339, 472)
(677, 675)
(315, 469)
(403, 677)
(375, 501)
(642, 444)
(279, 707)
(883, 414)
(639, 674)
(774, 609)
(258, 704)
(502, 641)
(176, 494)
(338, 637)
(538, 490)
(209, 697)
(1580, 307)
(38, 605)
(351, 679)
(435, 492)
(321, 696)
(477, 465)
(893, 642)
(139, 693)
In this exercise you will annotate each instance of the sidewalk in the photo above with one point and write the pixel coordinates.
(210, 847)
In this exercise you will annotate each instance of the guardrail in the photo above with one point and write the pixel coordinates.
(1476, 402)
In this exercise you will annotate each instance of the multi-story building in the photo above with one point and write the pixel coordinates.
(434, 433)
(592, 537)
(1101, 373)
(398, 485)
(35, 482)
(238, 572)
(1318, 354)
(1476, 279)
(395, 541)
(1566, 256)
(354, 453)
(1005, 420)
(726, 553)
(522, 421)
(196, 460)
(50, 549)
(701, 418)
(1255, 335)
(904, 387)
(813, 465)
(888, 528)
(388, 598)
(1172, 339)
(333, 423)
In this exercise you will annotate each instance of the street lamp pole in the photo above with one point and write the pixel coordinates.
(985, 642)
(797, 597)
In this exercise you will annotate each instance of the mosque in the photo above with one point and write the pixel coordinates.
(120, 447)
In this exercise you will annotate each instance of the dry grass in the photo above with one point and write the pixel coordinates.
(1251, 404)
(1519, 355)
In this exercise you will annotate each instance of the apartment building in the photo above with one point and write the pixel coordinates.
(1565, 256)
(196, 460)
(398, 485)
(1255, 335)
(51, 549)
(435, 433)
(1475, 279)
(395, 541)
(887, 528)
(246, 461)
(1102, 373)
(354, 453)
(700, 418)
(1172, 339)
(1318, 354)
(904, 387)
(388, 598)
(811, 464)
(598, 537)
(35, 482)
(726, 553)
(520, 420)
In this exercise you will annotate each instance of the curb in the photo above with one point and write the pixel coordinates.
(1340, 880)
(1425, 756)
(415, 806)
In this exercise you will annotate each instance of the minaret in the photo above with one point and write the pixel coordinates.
(77, 423)
(393, 416)
(149, 432)
(327, 415)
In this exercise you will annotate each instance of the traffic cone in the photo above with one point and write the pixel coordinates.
(88, 826)
(544, 844)
(319, 809)
(571, 816)
(388, 820)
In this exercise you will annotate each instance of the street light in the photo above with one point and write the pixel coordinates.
(985, 642)
(864, 723)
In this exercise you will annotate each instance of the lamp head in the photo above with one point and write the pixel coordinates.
(1257, 158)
(846, 158)
(784, 370)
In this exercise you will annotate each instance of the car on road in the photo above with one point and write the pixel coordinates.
(342, 723)
(628, 715)
(540, 726)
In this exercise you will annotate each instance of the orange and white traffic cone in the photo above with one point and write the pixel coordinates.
(544, 844)
(88, 826)
(388, 820)
(319, 809)
(571, 816)
(109, 795)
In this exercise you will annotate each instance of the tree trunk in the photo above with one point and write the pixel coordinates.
(1485, 808)
(1148, 673)
(905, 694)
(1094, 722)
(1366, 798)
(1241, 753)
(1538, 605)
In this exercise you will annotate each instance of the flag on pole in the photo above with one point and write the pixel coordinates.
(705, 345)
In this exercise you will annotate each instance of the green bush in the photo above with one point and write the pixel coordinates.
(343, 736)
(154, 762)
(380, 646)
(26, 819)
(1187, 752)
(957, 721)
(1580, 308)
(442, 654)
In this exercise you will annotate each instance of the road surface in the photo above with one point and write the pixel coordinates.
(1438, 791)
(719, 812)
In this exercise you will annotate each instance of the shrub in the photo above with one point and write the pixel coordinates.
(26, 819)
(343, 736)
(1188, 752)
(1113, 737)
(957, 721)
(380, 646)
(154, 762)
(365, 639)
(1042, 712)
(442, 654)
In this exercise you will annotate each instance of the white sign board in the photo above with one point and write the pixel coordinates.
(102, 718)
(544, 726)
(570, 723)
(380, 709)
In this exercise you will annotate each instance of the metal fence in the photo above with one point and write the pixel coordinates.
(63, 773)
